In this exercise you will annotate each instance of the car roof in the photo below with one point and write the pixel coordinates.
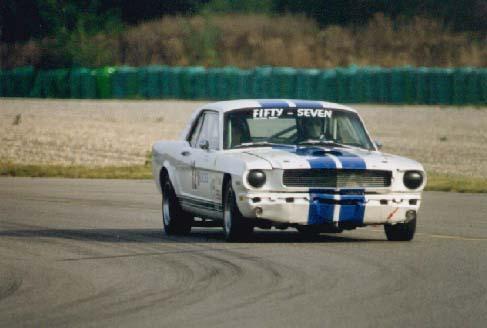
(229, 105)
(225, 106)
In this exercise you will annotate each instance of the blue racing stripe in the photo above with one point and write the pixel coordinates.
(352, 207)
(316, 162)
(307, 104)
(322, 203)
(319, 212)
(320, 209)
(351, 161)
(322, 163)
(273, 104)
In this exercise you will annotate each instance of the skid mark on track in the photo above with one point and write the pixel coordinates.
(9, 284)
(198, 275)
(197, 279)
(143, 254)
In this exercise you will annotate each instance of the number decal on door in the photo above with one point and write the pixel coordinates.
(194, 176)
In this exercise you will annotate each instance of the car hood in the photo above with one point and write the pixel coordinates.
(331, 158)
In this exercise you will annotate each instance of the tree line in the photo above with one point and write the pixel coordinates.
(23, 20)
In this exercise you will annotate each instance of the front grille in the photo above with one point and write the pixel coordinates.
(329, 178)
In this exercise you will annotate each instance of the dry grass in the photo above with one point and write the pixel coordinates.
(254, 40)
(448, 141)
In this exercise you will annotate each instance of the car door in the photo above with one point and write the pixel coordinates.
(197, 175)
(185, 163)
(207, 181)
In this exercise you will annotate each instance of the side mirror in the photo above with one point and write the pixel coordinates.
(204, 144)
(378, 144)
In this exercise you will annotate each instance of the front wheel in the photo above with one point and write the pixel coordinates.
(235, 226)
(175, 220)
(400, 231)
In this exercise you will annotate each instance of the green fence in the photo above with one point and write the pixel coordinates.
(399, 85)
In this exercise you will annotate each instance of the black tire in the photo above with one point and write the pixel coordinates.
(235, 226)
(400, 231)
(175, 220)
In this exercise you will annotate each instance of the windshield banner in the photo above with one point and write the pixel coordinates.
(270, 113)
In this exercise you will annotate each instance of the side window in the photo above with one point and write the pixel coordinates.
(210, 130)
(194, 133)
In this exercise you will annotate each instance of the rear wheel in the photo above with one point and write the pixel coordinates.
(175, 220)
(235, 226)
(400, 231)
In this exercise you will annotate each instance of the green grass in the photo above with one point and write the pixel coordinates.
(436, 182)
(81, 172)
(456, 183)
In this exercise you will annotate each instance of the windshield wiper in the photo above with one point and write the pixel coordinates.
(256, 144)
(322, 142)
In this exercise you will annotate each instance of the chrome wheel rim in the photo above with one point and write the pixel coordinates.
(227, 215)
(166, 212)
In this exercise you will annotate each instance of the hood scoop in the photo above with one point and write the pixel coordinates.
(317, 152)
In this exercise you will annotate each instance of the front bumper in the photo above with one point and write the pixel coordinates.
(327, 208)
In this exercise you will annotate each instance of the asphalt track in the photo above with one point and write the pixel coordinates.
(91, 253)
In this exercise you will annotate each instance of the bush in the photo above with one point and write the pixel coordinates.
(248, 40)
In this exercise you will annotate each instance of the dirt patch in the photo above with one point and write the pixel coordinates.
(102, 133)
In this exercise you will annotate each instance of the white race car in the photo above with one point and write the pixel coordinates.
(282, 163)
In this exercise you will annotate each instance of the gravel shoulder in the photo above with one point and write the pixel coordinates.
(447, 140)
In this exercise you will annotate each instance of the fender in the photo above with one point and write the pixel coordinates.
(156, 172)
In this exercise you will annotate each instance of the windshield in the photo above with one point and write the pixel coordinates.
(294, 126)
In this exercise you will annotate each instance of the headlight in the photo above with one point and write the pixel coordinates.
(413, 179)
(256, 178)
